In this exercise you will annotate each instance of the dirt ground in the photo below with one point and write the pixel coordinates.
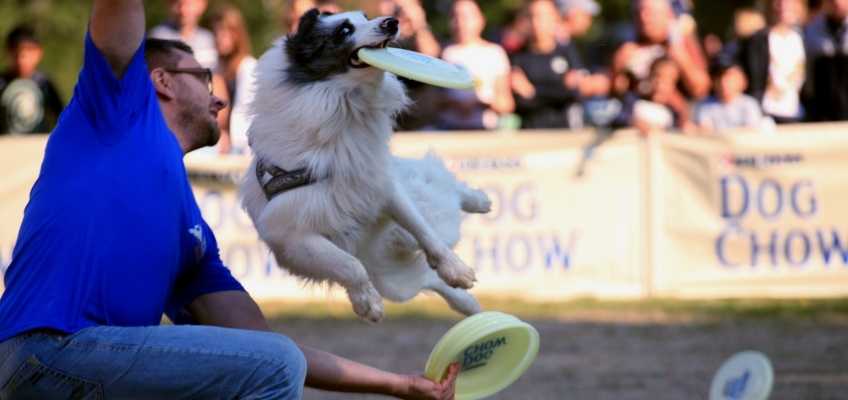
(611, 356)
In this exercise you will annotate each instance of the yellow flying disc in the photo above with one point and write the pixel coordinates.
(493, 349)
(417, 66)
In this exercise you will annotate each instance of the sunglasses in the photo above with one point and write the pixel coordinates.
(205, 73)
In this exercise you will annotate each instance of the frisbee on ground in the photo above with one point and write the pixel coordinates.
(417, 66)
(744, 376)
(493, 349)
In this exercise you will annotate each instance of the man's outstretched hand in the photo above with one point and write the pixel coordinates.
(421, 388)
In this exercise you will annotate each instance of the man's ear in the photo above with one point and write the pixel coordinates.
(163, 83)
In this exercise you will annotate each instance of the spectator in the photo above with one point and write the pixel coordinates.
(514, 35)
(328, 6)
(827, 56)
(235, 66)
(577, 17)
(730, 107)
(488, 64)
(296, 8)
(414, 34)
(184, 25)
(660, 35)
(546, 75)
(29, 102)
(746, 22)
(774, 61)
(659, 105)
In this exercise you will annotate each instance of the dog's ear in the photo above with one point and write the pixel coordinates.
(304, 45)
(308, 20)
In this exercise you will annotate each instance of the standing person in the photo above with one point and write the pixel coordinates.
(112, 238)
(546, 75)
(235, 66)
(296, 8)
(29, 102)
(183, 24)
(660, 35)
(774, 61)
(488, 64)
(414, 34)
(577, 16)
(827, 59)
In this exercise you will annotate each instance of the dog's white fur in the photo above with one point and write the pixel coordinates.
(364, 223)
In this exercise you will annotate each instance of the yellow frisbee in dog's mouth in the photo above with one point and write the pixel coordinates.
(417, 66)
(494, 349)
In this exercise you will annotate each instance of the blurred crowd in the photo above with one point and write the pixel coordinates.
(786, 62)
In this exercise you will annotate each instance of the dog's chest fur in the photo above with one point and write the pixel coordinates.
(339, 128)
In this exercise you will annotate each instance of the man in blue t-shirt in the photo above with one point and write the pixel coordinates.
(112, 238)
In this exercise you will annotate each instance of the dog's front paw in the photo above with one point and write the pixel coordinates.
(453, 271)
(476, 201)
(367, 302)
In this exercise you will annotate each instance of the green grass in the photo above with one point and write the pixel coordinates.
(435, 308)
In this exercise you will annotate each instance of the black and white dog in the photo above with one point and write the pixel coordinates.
(323, 190)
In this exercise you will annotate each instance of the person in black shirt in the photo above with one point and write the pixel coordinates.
(29, 102)
(826, 42)
(546, 75)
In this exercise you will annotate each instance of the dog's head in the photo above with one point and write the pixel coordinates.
(327, 44)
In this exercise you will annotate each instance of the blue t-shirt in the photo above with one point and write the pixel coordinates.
(112, 234)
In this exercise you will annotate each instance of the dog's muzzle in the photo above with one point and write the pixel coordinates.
(355, 62)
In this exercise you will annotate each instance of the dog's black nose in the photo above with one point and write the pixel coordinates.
(389, 25)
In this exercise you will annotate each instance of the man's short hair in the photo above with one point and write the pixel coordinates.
(21, 34)
(163, 53)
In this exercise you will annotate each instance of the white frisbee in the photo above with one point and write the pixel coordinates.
(494, 349)
(417, 66)
(744, 376)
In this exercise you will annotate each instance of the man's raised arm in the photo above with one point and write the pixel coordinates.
(117, 28)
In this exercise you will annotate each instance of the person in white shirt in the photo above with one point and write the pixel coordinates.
(235, 66)
(184, 25)
(774, 61)
(488, 64)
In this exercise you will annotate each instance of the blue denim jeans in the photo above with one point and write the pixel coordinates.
(159, 362)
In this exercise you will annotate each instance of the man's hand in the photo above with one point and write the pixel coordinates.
(421, 388)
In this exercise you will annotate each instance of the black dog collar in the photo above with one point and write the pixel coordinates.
(275, 180)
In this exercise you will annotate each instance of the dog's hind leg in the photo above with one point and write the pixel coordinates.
(458, 299)
(440, 257)
(312, 256)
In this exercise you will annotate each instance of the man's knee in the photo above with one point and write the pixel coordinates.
(291, 357)
(283, 371)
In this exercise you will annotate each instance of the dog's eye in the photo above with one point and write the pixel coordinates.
(345, 30)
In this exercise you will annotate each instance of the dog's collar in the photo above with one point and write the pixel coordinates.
(275, 180)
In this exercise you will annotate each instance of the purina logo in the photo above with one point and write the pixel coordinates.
(760, 161)
(734, 389)
(478, 355)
